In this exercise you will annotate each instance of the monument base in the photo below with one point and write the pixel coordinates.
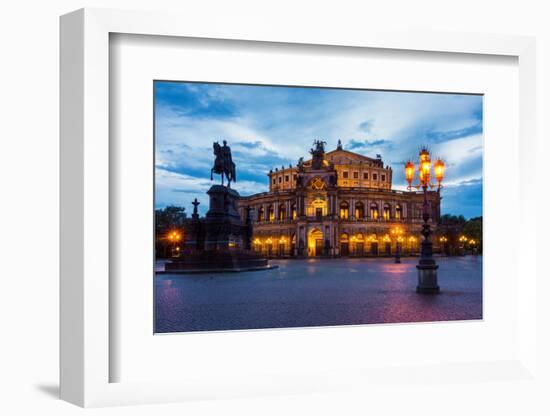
(427, 278)
(218, 262)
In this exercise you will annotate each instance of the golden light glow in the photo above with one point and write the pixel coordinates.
(472, 242)
(282, 240)
(257, 241)
(386, 239)
(269, 241)
(409, 172)
(439, 169)
(424, 166)
(463, 239)
(396, 231)
(400, 239)
(174, 236)
(443, 239)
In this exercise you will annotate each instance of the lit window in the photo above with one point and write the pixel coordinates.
(374, 211)
(387, 212)
(282, 212)
(359, 210)
(398, 212)
(344, 210)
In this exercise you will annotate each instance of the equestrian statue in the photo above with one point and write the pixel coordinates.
(223, 165)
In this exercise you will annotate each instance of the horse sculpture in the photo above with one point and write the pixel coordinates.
(223, 165)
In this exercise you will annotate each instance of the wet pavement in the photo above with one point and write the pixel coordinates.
(317, 292)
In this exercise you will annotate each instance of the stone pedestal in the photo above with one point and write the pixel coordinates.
(223, 227)
(427, 279)
(220, 241)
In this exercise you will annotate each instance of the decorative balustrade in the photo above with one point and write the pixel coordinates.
(351, 219)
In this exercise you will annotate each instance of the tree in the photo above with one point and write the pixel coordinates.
(473, 229)
(168, 219)
(449, 219)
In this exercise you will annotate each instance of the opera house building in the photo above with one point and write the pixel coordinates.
(338, 203)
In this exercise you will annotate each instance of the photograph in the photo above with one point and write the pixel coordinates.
(284, 206)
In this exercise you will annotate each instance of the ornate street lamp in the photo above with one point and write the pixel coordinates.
(175, 238)
(397, 232)
(427, 268)
(443, 240)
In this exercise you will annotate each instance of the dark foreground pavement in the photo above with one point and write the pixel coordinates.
(317, 292)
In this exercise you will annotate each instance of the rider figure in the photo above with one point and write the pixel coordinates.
(226, 155)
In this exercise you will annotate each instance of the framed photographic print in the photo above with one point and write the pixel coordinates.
(321, 232)
(270, 213)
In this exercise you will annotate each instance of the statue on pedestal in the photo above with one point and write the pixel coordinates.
(318, 154)
(223, 165)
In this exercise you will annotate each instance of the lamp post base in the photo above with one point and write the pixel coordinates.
(427, 278)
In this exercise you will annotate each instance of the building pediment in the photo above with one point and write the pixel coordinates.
(344, 157)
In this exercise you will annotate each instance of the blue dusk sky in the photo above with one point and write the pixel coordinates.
(271, 126)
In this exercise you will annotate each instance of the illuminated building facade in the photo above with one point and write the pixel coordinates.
(338, 203)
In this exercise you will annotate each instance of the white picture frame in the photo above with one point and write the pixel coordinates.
(85, 211)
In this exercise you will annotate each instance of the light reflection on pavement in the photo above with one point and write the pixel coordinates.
(317, 292)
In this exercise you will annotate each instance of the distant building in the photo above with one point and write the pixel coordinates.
(337, 203)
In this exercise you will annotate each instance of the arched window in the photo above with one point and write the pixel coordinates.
(359, 210)
(293, 211)
(387, 212)
(271, 213)
(344, 244)
(282, 212)
(359, 240)
(374, 211)
(398, 212)
(344, 210)
(261, 214)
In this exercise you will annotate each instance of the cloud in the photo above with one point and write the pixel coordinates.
(366, 126)
(443, 136)
(269, 126)
(172, 188)
(367, 145)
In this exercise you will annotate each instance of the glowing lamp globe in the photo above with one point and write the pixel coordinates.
(409, 172)
(439, 169)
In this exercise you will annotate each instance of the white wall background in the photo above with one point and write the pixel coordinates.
(29, 80)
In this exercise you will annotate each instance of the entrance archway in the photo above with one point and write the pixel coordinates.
(344, 244)
(315, 242)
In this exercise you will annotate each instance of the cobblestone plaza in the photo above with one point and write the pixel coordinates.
(317, 292)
